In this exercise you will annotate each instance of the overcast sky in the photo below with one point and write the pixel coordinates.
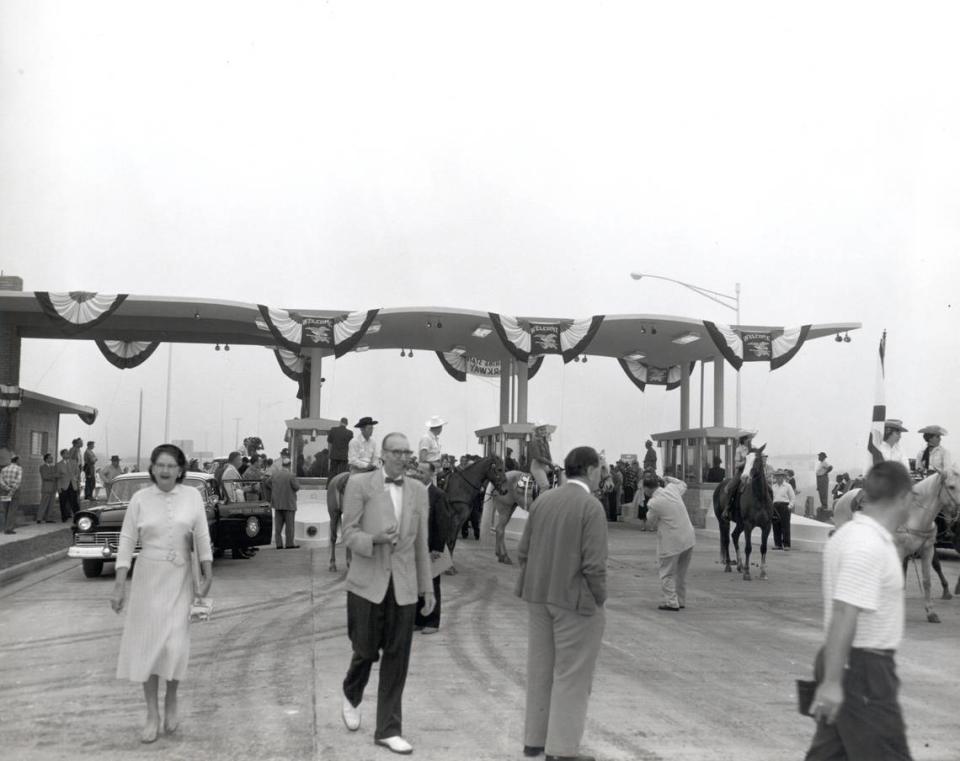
(516, 157)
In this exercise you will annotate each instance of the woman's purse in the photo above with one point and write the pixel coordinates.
(202, 607)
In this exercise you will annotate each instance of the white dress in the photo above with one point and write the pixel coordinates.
(156, 631)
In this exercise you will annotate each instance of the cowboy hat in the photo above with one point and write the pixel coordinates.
(365, 421)
(435, 422)
(896, 425)
(934, 430)
(539, 424)
(780, 472)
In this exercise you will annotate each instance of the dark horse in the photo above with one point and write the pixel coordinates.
(465, 486)
(754, 507)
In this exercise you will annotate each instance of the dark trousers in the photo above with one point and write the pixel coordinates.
(823, 487)
(284, 525)
(473, 521)
(69, 504)
(613, 509)
(433, 620)
(869, 726)
(781, 525)
(337, 467)
(89, 484)
(375, 627)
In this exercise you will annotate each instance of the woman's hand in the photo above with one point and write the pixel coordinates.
(119, 597)
(205, 581)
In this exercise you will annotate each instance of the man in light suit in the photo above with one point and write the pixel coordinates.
(563, 579)
(283, 499)
(68, 482)
(385, 525)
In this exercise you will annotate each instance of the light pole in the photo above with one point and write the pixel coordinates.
(723, 299)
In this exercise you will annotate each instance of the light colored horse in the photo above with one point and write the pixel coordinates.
(916, 538)
(518, 492)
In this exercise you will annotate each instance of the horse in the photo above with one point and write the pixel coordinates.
(335, 488)
(916, 538)
(464, 486)
(754, 507)
(518, 492)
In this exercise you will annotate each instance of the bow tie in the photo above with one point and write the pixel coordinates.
(398, 481)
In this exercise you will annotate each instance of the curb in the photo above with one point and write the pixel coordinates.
(13, 573)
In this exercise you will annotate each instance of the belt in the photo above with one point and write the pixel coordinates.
(171, 556)
(874, 651)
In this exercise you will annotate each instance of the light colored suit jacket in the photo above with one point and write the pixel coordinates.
(367, 511)
(66, 474)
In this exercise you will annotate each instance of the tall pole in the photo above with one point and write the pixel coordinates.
(737, 292)
(236, 434)
(701, 393)
(166, 417)
(139, 428)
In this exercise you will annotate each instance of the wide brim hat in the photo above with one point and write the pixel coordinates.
(780, 472)
(365, 421)
(821, 454)
(896, 425)
(115, 457)
(540, 425)
(435, 422)
(751, 433)
(934, 430)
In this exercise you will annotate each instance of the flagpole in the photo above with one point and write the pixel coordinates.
(139, 428)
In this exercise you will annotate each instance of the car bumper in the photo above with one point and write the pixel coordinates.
(93, 552)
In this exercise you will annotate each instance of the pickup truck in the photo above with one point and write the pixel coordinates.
(234, 526)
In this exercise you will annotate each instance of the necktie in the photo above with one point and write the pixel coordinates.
(398, 481)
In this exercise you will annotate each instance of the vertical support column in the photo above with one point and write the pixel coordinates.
(684, 396)
(718, 391)
(522, 392)
(504, 392)
(513, 392)
(9, 376)
(316, 380)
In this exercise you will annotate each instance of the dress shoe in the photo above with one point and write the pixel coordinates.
(429, 630)
(570, 758)
(350, 714)
(532, 750)
(397, 744)
(294, 547)
(10, 531)
(659, 607)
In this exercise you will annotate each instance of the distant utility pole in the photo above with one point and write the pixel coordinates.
(139, 428)
(236, 435)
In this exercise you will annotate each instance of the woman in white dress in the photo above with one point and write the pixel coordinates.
(168, 519)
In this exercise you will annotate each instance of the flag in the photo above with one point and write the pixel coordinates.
(879, 406)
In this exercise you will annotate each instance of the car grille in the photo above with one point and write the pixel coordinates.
(109, 538)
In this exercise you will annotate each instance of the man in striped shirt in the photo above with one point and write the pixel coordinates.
(858, 715)
(10, 479)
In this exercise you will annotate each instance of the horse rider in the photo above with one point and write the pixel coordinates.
(743, 459)
(889, 447)
(429, 447)
(538, 454)
(934, 456)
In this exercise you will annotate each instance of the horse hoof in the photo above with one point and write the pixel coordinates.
(333, 567)
(933, 618)
(727, 569)
(763, 576)
(506, 560)
(946, 595)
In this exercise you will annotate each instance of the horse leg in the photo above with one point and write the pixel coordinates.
(747, 551)
(764, 533)
(503, 519)
(725, 545)
(334, 525)
(738, 529)
(935, 562)
(926, 560)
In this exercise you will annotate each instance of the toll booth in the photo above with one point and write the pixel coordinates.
(516, 436)
(690, 455)
(307, 436)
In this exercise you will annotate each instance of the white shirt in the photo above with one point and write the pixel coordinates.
(581, 484)
(861, 567)
(431, 443)
(667, 512)
(823, 468)
(939, 458)
(396, 495)
(783, 493)
(362, 453)
(890, 452)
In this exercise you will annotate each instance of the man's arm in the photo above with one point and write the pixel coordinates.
(593, 552)
(843, 627)
(357, 540)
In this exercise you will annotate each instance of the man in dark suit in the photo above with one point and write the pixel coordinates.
(67, 485)
(441, 530)
(283, 499)
(564, 592)
(338, 444)
(385, 525)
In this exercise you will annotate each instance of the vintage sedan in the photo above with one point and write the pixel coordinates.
(234, 526)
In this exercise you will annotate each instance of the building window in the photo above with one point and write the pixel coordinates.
(38, 443)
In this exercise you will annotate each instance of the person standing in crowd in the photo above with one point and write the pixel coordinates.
(509, 463)
(565, 593)
(10, 479)
(784, 499)
(667, 514)
(169, 521)
(253, 480)
(717, 472)
(631, 480)
(338, 442)
(89, 471)
(438, 531)
(363, 455)
(841, 487)
(67, 486)
(385, 525)
(48, 489)
(823, 479)
(321, 464)
(538, 453)
(934, 456)
(649, 457)
(889, 448)
(231, 482)
(856, 707)
(283, 499)
(429, 447)
(109, 474)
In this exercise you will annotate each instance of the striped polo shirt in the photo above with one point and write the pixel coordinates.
(861, 567)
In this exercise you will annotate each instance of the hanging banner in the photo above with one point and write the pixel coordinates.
(642, 374)
(569, 339)
(11, 397)
(756, 347)
(786, 345)
(295, 332)
(127, 354)
(459, 367)
(291, 363)
(76, 311)
(738, 346)
(317, 333)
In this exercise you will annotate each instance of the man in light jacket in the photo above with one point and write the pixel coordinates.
(667, 514)
(283, 499)
(563, 579)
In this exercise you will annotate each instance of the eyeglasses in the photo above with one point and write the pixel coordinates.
(399, 452)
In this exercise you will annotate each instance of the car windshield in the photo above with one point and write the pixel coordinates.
(123, 490)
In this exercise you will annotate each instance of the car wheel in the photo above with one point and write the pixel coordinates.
(92, 568)
(217, 553)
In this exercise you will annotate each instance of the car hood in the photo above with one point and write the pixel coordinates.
(107, 516)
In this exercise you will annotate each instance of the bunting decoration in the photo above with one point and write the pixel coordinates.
(459, 366)
(290, 362)
(294, 332)
(642, 374)
(739, 346)
(568, 339)
(88, 417)
(127, 354)
(77, 311)
(11, 397)
(879, 405)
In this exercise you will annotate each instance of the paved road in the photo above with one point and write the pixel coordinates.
(715, 681)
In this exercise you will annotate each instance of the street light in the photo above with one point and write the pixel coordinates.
(723, 299)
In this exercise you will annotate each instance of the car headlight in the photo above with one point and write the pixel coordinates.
(252, 526)
(85, 523)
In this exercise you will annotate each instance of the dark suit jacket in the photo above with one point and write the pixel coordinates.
(338, 441)
(66, 474)
(367, 511)
(441, 522)
(283, 490)
(563, 551)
